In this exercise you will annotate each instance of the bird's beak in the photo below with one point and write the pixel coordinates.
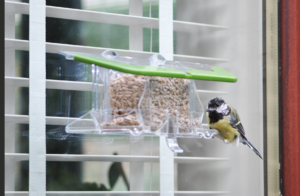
(210, 109)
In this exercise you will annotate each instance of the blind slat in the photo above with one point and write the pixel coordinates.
(74, 85)
(113, 158)
(110, 18)
(50, 120)
(55, 47)
(115, 193)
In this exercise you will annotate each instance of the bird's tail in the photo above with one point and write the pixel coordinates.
(253, 148)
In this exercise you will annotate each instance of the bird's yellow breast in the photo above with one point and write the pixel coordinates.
(224, 127)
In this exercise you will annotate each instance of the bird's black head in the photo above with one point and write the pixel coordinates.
(218, 105)
(214, 104)
(217, 109)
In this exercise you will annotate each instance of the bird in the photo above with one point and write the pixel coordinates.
(224, 118)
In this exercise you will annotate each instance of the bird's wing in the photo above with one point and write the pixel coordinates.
(235, 121)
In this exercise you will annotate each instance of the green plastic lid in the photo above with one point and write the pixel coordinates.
(216, 73)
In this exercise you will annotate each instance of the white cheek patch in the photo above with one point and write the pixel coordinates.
(222, 108)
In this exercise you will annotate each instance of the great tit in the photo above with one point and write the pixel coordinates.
(226, 120)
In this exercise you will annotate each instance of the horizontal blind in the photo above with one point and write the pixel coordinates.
(136, 22)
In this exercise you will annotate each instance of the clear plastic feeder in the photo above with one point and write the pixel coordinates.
(143, 105)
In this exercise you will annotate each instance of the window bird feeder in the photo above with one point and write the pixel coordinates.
(145, 97)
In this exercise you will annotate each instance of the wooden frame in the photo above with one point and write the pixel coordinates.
(290, 96)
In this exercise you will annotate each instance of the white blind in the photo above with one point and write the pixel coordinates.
(222, 33)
